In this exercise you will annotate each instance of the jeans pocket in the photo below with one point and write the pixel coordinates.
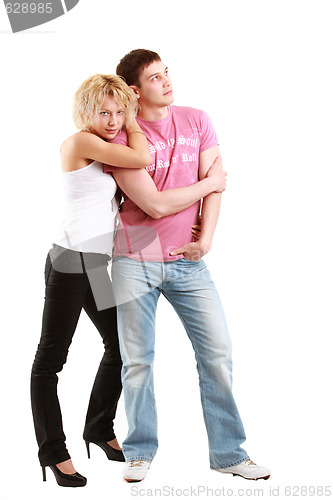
(185, 260)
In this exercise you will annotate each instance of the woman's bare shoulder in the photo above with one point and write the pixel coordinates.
(75, 140)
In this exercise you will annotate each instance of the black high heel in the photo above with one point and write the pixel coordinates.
(111, 453)
(62, 479)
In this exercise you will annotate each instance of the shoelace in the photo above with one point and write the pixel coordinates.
(249, 462)
(135, 463)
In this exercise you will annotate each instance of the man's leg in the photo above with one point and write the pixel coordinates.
(193, 295)
(136, 297)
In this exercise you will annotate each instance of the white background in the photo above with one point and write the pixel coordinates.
(263, 72)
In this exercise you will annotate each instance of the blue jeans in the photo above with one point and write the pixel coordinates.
(187, 285)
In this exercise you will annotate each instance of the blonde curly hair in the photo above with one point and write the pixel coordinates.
(90, 95)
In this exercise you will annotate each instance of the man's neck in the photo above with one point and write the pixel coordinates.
(153, 114)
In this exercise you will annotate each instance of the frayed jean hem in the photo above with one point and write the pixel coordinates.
(232, 464)
(146, 459)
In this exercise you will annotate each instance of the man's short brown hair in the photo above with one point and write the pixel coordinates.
(132, 65)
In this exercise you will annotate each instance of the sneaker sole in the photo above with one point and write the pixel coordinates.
(250, 478)
(133, 480)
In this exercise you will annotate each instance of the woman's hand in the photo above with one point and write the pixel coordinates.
(131, 123)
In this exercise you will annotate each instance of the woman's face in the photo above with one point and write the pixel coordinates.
(110, 118)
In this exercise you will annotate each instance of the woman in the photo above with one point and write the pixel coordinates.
(75, 271)
(76, 267)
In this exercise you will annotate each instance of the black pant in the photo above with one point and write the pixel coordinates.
(66, 293)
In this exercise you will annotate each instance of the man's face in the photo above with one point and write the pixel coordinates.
(155, 89)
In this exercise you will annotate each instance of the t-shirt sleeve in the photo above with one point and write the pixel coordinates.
(121, 138)
(208, 134)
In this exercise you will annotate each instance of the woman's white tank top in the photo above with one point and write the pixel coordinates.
(90, 210)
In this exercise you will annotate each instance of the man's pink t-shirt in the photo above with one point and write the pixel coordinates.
(175, 144)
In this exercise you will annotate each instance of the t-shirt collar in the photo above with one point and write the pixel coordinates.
(152, 122)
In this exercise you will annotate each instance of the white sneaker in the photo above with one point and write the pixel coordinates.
(248, 470)
(135, 470)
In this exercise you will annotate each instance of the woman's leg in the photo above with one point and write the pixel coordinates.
(107, 386)
(64, 296)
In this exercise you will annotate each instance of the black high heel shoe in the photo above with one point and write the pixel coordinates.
(111, 453)
(62, 479)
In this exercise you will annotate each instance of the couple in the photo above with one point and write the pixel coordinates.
(157, 250)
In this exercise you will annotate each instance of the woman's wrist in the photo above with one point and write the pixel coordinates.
(136, 132)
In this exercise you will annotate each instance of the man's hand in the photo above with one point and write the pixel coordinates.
(220, 176)
(192, 251)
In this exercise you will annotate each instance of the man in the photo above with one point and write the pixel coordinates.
(156, 254)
